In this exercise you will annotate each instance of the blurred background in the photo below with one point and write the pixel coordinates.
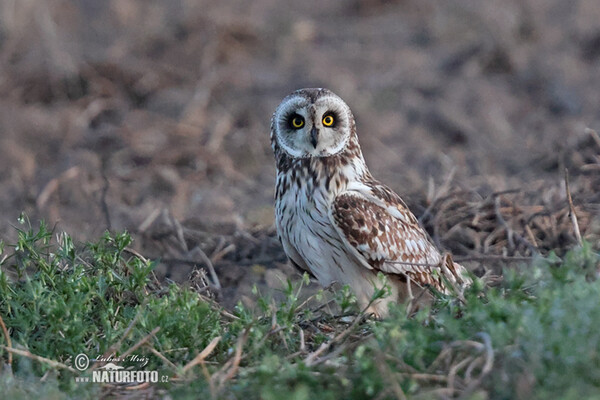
(153, 116)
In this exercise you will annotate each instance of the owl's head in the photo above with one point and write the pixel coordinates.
(312, 123)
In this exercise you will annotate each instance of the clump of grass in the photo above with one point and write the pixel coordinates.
(534, 335)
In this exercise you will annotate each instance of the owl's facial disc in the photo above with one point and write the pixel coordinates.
(308, 127)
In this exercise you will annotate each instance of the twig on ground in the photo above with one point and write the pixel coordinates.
(43, 360)
(234, 362)
(209, 379)
(510, 233)
(594, 135)
(197, 252)
(425, 377)
(54, 184)
(384, 370)
(215, 306)
(162, 357)
(487, 366)
(145, 261)
(136, 253)
(222, 253)
(141, 342)
(443, 190)
(178, 232)
(531, 235)
(454, 371)
(149, 220)
(138, 387)
(302, 342)
(8, 341)
(203, 354)
(310, 360)
(572, 214)
(500, 218)
(489, 257)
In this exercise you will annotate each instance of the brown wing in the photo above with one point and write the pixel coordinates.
(385, 235)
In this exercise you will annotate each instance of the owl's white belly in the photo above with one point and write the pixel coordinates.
(305, 228)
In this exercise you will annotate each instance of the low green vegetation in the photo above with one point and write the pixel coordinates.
(535, 334)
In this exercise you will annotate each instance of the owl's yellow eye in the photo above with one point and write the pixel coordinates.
(328, 120)
(297, 122)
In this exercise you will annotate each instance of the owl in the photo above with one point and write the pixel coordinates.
(338, 223)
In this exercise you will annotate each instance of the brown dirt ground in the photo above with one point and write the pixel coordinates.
(153, 116)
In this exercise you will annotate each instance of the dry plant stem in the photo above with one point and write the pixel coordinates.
(202, 355)
(136, 253)
(149, 220)
(197, 251)
(144, 260)
(235, 362)
(401, 365)
(305, 302)
(203, 290)
(7, 337)
(441, 393)
(302, 342)
(385, 371)
(425, 377)
(162, 357)
(441, 192)
(572, 214)
(138, 387)
(141, 342)
(54, 184)
(478, 362)
(342, 348)
(409, 288)
(531, 235)
(510, 233)
(594, 136)
(487, 367)
(178, 232)
(209, 379)
(45, 376)
(438, 360)
(493, 257)
(310, 360)
(500, 218)
(222, 253)
(454, 370)
(494, 229)
(216, 307)
(43, 360)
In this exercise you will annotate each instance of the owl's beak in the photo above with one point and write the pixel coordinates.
(314, 134)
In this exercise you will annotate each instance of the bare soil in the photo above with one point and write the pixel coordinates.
(153, 117)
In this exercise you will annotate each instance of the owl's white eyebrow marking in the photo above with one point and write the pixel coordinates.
(294, 102)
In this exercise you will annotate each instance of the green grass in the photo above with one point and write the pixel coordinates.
(535, 335)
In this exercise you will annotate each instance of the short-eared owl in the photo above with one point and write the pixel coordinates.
(334, 219)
